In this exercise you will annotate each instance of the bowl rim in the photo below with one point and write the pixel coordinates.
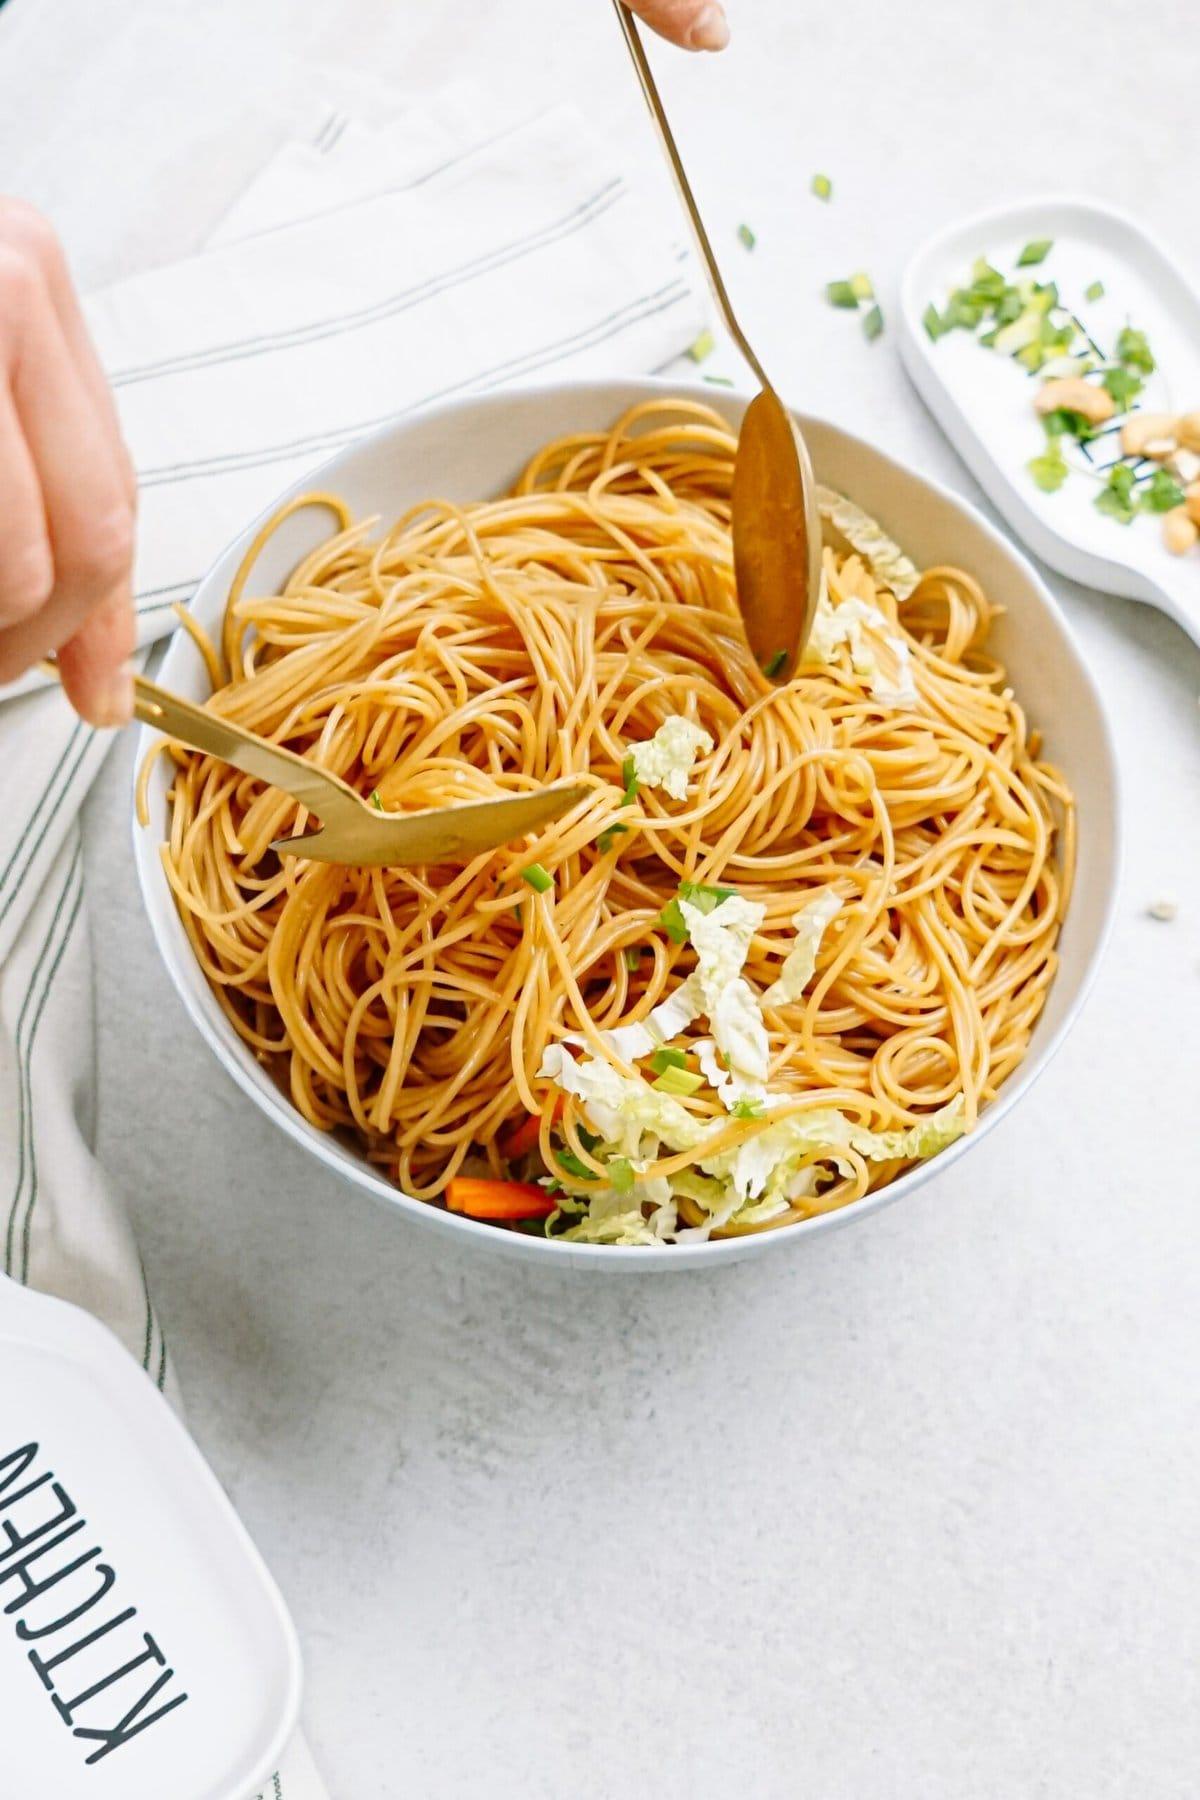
(623, 391)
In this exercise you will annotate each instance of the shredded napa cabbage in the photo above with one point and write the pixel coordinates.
(864, 628)
(666, 759)
(882, 555)
(721, 940)
(797, 971)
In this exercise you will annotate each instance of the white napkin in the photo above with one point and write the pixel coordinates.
(365, 273)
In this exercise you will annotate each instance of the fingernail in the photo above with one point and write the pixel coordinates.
(711, 30)
(114, 702)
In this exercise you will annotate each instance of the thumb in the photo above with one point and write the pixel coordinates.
(692, 24)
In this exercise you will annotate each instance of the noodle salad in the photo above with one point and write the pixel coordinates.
(792, 940)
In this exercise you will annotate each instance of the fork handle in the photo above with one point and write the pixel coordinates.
(204, 731)
(641, 63)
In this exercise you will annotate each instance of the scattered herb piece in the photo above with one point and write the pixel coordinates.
(609, 836)
(860, 286)
(746, 236)
(1063, 422)
(841, 293)
(538, 878)
(822, 187)
(1134, 351)
(630, 778)
(703, 347)
(873, 325)
(1117, 499)
(667, 1058)
(1050, 469)
(1162, 493)
(1094, 290)
(747, 1109)
(776, 662)
(1036, 251)
(696, 894)
(718, 380)
(567, 1160)
(376, 802)
(1123, 385)
(633, 958)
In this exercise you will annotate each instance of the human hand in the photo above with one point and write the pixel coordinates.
(692, 24)
(67, 487)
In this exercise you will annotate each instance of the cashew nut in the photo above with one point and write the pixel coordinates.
(1180, 533)
(1073, 394)
(1150, 434)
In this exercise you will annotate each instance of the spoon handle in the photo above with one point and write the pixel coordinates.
(637, 51)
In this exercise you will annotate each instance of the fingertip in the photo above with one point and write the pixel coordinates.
(95, 665)
(710, 28)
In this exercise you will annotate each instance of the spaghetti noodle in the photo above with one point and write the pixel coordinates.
(482, 649)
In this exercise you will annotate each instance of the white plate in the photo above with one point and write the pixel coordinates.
(475, 447)
(984, 402)
(155, 1608)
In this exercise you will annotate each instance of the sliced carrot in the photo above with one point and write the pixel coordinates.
(484, 1199)
(523, 1137)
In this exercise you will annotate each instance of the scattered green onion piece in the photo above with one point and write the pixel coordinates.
(538, 878)
(533, 1227)
(860, 285)
(873, 325)
(1050, 470)
(931, 319)
(746, 236)
(703, 347)
(706, 899)
(376, 802)
(629, 777)
(608, 837)
(673, 922)
(633, 958)
(667, 1058)
(1094, 291)
(567, 1159)
(1162, 492)
(963, 311)
(620, 1174)
(747, 1109)
(680, 1082)
(772, 667)
(1036, 251)
(822, 187)
(718, 380)
(841, 293)
(1134, 350)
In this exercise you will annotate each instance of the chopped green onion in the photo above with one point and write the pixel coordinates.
(620, 1174)
(1036, 251)
(567, 1159)
(963, 310)
(667, 1058)
(1094, 291)
(931, 319)
(746, 236)
(376, 802)
(673, 922)
(1162, 492)
(703, 347)
(987, 283)
(1134, 350)
(705, 899)
(747, 1109)
(841, 293)
(633, 958)
(1050, 470)
(609, 836)
(822, 187)
(1118, 498)
(775, 663)
(873, 325)
(532, 1227)
(678, 1081)
(718, 380)
(1010, 306)
(1123, 385)
(860, 285)
(630, 778)
(539, 879)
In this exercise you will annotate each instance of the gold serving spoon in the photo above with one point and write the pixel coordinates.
(351, 830)
(776, 526)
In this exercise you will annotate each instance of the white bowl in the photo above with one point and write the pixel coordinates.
(472, 449)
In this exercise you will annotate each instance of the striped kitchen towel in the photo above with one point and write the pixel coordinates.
(365, 274)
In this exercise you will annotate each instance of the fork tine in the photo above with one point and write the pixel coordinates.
(440, 835)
